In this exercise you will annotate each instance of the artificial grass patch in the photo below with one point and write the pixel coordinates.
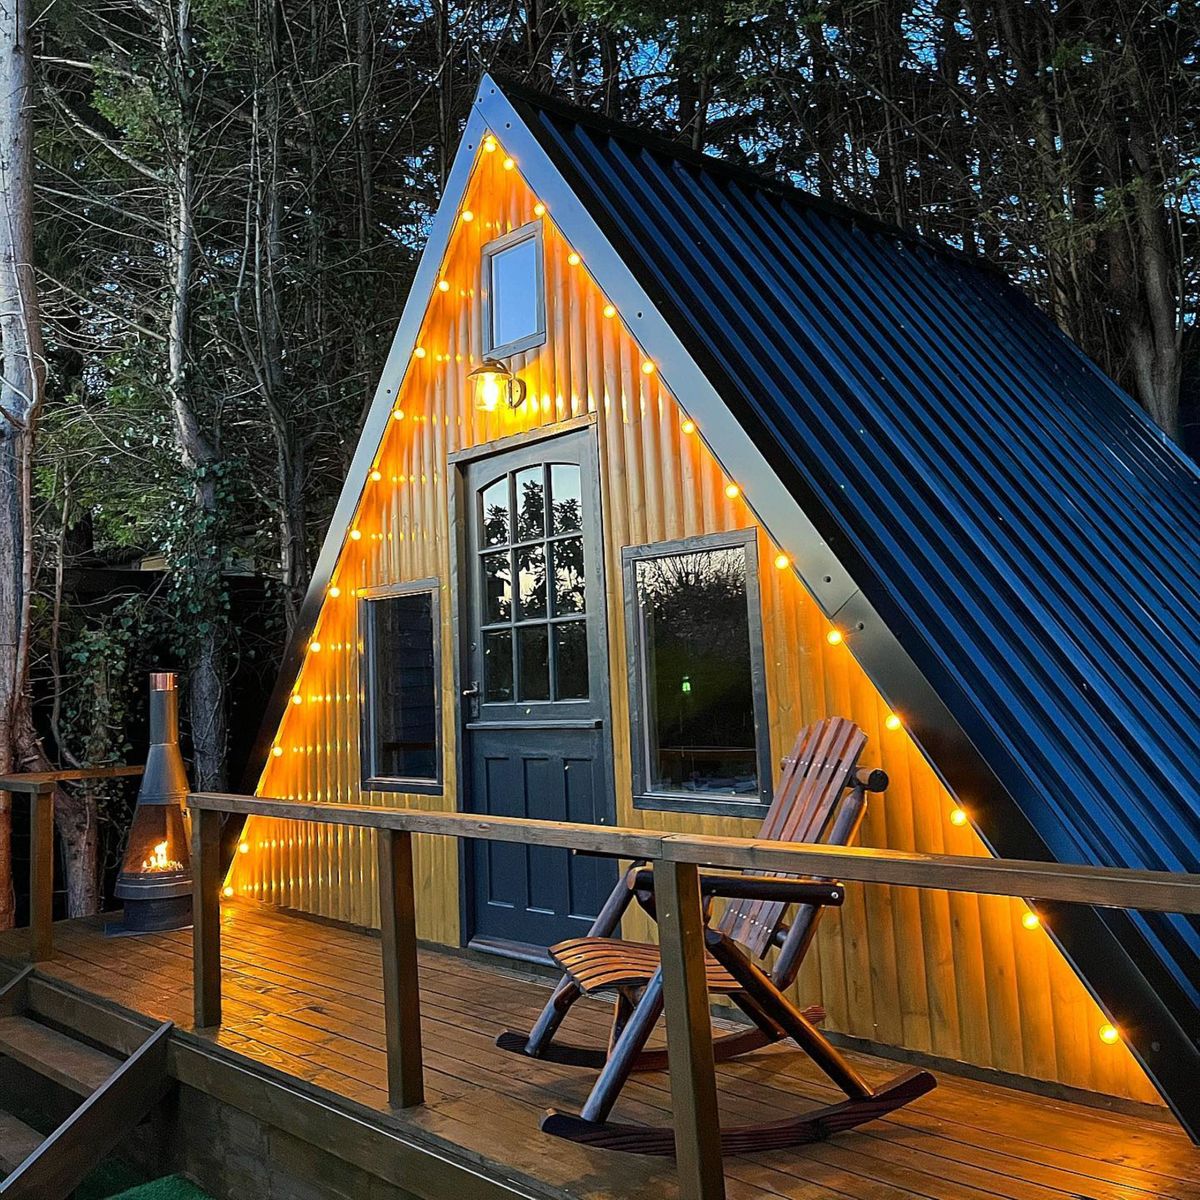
(173, 1187)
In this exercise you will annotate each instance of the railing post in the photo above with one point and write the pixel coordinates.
(689, 1032)
(206, 917)
(41, 873)
(401, 992)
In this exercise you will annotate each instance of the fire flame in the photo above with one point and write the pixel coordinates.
(158, 861)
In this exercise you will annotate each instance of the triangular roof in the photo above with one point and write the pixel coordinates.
(1007, 541)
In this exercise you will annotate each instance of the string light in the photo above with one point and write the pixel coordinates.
(1109, 1034)
(509, 164)
(782, 562)
(647, 367)
(243, 848)
(419, 352)
(958, 816)
(397, 414)
(573, 259)
(732, 491)
(335, 591)
(443, 285)
(468, 215)
(1030, 919)
(539, 210)
(892, 722)
(297, 699)
(277, 751)
(376, 475)
(834, 637)
(688, 426)
(610, 311)
(227, 890)
(489, 144)
(315, 647)
(355, 534)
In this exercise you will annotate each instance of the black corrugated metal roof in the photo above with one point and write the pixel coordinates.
(1029, 537)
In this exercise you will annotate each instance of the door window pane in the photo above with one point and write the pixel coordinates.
(531, 580)
(497, 588)
(515, 304)
(697, 685)
(495, 513)
(497, 666)
(533, 650)
(400, 665)
(566, 497)
(570, 661)
(569, 589)
(531, 504)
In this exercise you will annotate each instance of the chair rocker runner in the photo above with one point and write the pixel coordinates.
(821, 798)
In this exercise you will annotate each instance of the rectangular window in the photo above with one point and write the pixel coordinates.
(401, 719)
(515, 316)
(697, 679)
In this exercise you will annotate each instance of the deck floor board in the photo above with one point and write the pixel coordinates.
(305, 997)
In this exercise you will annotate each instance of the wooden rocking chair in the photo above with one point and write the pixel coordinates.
(821, 798)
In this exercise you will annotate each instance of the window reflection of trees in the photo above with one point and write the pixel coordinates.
(698, 686)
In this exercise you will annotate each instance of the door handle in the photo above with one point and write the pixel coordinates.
(469, 693)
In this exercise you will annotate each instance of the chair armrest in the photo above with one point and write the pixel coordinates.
(759, 887)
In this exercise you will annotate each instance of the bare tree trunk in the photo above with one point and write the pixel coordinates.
(206, 687)
(22, 387)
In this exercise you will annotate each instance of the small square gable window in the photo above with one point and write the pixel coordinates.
(515, 315)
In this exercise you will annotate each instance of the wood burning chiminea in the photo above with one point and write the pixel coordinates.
(156, 879)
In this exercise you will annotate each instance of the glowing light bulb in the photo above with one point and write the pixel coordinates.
(355, 535)
(297, 699)
(227, 890)
(509, 164)
(468, 215)
(419, 352)
(489, 144)
(315, 647)
(782, 562)
(573, 259)
(892, 722)
(958, 816)
(834, 637)
(397, 414)
(648, 368)
(539, 210)
(335, 591)
(243, 848)
(1031, 920)
(1109, 1034)
(688, 426)
(277, 751)
(376, 476)
(610, 311)
(443, 285)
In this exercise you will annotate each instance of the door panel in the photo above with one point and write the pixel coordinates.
(535, 710)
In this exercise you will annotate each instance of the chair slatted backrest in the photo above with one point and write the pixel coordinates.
(816, 784)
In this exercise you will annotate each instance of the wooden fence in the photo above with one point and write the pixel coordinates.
(678, 859)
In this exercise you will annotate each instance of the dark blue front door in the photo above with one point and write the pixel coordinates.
(535, 687)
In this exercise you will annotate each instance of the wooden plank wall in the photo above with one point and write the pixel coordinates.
(958, 976)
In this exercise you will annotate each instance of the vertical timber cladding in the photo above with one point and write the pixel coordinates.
(956, 975)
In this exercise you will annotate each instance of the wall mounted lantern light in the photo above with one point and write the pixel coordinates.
(493, 382)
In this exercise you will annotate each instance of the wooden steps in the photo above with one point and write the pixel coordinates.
(17, 1142)
(116, 1094)
(55, 1056)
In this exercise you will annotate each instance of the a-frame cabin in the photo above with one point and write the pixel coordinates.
(740, 460)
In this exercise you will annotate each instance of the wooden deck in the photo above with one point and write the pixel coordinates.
(304, 998)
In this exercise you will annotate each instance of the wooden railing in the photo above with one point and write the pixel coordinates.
(678, 859)
(40, 786)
